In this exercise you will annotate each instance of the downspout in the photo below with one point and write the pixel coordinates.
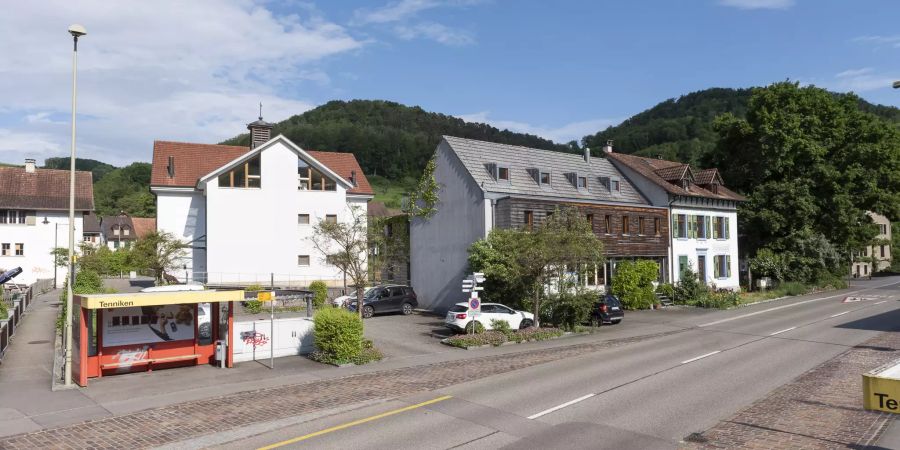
(671, 243)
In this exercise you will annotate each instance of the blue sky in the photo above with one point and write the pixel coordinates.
(563, 69)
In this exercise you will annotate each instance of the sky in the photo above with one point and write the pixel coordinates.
(196, 71)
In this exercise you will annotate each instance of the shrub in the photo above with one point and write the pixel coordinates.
(254, 287)
(719, 299)
(253, 306)
(633, 283)
(567, 310)
(501, 326)
(497, 338)
(320, 293)
(474, 327)
(4, 311)
(338, 334)
(793, 288)
(689, 290)
(666, 289)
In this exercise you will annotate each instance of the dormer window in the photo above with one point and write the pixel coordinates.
(686, 184)
(544, 179)
(615, 186)
(714, 188)
(501, 172)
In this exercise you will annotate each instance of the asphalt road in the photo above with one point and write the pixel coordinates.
(650, 394)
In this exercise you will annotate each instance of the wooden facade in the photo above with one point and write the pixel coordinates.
(619, 240)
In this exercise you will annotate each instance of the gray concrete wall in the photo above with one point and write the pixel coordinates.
(439, 246)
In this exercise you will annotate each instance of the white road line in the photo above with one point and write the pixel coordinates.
(557, 408)
(701, 357)
(844, 294)
(841, 314)
(883, 301)
(783, 331)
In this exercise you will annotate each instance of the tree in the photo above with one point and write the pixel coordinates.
(345, 245)
(633, 283)
(158, 251)
(813, 163)
(424, 198)
(388, 240)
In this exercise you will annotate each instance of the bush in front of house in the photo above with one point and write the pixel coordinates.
(320, 293)
(568, 310)
(338, 336)
(633, 283)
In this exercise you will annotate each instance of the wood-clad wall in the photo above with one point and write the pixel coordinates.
(511, 212)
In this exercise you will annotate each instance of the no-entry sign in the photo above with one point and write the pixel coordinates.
(475, 304)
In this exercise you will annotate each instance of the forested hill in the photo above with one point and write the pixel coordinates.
(389, 139)
(681, 129)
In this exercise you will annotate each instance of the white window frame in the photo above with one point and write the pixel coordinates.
(303, 215)
(549, 174)
(308, 261)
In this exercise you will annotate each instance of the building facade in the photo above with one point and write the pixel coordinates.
(248, 214)
(877, 256)
(34, 218)
(702, 211)
(484, 185)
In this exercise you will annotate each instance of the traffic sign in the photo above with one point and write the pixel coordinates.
(475, 304)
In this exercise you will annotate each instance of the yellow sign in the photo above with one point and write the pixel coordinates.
(101, 301)
(264, 296)
(881, 388)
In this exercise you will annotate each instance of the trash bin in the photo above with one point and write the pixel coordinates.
(221, 353)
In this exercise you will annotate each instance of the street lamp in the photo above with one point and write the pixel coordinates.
(896, 84)
(76, 31)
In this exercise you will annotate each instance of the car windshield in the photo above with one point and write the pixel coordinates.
(458, 308)
(372, 293)
(612, 300)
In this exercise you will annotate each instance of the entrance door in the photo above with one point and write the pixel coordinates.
(701, 268)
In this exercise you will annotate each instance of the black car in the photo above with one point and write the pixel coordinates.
(388, 298)
(607, 309)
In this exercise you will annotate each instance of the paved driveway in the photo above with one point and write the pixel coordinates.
(399, 336)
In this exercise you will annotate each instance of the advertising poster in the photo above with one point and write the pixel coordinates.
(147, 324)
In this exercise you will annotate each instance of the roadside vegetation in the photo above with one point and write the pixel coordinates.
(86, 282)
(339, 339)
(501, 334)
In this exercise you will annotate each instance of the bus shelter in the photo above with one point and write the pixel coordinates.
(122, 333)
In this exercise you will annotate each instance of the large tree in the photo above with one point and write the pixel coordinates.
(345, 244)
(158, 251)
(812, 164)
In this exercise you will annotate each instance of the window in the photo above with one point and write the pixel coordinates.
(309, 178)
(20, 249)
(330, 218)
(656, 230)
(641, 225)
(303, 260)
(680, 226)
(625, 225)
(614, 185)
(116, 244)
(882, 251)
(722, 265)
(590, 220)
(529, 220)
(4, 249)
(330, 260)
(503, 173)
(608, 222)
(303, 219)
(13, 216)
(683, 264)
(700, 224)
(883, 228)
(582, 183)
(245, 175)
(545, 179)
(125, 231)
(115, 230)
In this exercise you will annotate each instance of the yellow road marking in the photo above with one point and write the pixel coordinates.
(354, 423)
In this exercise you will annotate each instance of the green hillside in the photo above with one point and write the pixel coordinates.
(681, 129)
(388, 139)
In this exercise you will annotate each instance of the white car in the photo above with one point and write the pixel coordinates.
(343, 300)
(459, 316)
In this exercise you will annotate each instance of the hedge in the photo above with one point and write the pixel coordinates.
(338, 335)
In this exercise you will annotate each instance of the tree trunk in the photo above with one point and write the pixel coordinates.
(359, 301)
(537, 304)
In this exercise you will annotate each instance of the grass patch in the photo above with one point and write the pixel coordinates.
(390, 192)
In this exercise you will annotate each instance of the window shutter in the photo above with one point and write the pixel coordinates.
(727, 229)
(707, 227)
(728, 265)
(693, 226)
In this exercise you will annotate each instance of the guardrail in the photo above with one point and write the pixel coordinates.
(17, 303)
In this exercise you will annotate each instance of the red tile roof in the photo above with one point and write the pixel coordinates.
(44, 189)
(194, 161)
(707, 176)
(648, 167)
(673, 173)
(143, 225)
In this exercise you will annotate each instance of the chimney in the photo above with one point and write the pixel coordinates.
(260, 131)
(29, 165)
(353, 178)
(608, 147)
(587, 155)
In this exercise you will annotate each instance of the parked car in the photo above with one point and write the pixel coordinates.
(459, 317)
(387, 298)
(345, 300)
(607, 309)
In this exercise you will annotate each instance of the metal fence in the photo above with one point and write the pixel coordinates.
(17, 302)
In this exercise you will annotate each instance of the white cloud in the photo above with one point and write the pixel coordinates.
(856, 80)
(855, 72)
(404, 15)
(758, 4)
(191, 71)
(893, 41)
(561, 134)
(436, 32)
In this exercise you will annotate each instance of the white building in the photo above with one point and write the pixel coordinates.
(34, 218)
(248, 212)
(878, 253)
(702, 211)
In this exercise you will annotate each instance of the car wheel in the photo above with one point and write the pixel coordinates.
(368, 312)
(526, 323)
(615, 322)
(407, 309)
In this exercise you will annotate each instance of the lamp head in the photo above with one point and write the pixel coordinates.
(77, 30)
(897, 85)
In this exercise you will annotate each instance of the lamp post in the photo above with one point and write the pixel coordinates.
(76, 31)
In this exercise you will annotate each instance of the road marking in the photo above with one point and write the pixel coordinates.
(701, 357)
(354, 423)
(783, 331)
(840, 314)
(557, 408)
(793, 304)
(883, 301)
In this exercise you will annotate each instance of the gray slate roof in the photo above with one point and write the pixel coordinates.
(479, 156)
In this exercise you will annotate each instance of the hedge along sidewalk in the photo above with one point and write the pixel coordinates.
(496, 338)
(188, 420)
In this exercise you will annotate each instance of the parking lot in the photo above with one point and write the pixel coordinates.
(399, 336)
